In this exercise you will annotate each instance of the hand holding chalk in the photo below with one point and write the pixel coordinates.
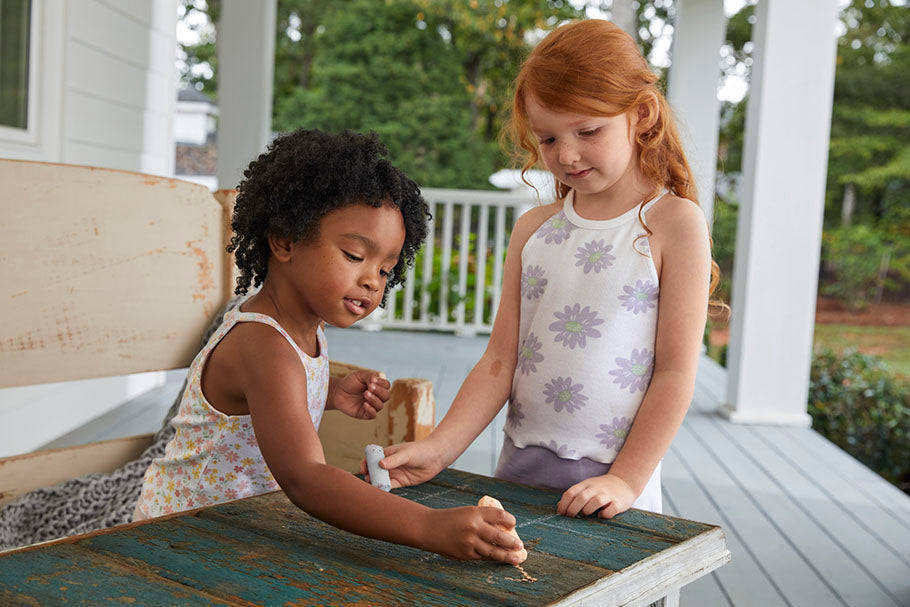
(379, 477)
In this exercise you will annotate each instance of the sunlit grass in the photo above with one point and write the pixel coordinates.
(890, 343)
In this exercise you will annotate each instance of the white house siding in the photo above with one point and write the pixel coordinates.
(106, 95)
(119, 90)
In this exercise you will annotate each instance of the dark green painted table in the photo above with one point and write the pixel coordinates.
(265, 551)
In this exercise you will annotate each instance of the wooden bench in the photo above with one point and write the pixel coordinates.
(107, 273)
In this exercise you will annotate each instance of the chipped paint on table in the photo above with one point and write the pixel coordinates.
(265, 551)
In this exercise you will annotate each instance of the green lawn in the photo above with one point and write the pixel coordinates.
(891, 343)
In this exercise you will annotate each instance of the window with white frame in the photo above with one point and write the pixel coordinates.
(15, 31)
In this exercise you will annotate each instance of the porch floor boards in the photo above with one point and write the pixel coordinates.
(806, 523)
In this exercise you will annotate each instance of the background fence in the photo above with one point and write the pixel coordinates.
(456, 279)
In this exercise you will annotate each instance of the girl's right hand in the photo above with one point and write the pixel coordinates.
(470, 532)
(412, 463)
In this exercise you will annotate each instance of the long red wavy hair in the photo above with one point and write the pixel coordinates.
(594, 68)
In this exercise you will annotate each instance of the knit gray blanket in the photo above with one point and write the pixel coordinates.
(94, 501)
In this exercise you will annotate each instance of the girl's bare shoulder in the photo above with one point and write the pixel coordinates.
(253, 348)
(531, 220)
(678, 231)
(676, 219)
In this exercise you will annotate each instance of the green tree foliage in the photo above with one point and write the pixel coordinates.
(297, 43)
(869, 156)
(870, 129)
(431, 77)
(197, 61)
(388, 75)
(655, 20)
(489, 40)
(736, 60)
(860, 261)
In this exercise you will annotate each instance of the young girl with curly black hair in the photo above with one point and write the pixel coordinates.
(325, 224)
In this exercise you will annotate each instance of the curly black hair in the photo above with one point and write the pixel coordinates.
(303, 176)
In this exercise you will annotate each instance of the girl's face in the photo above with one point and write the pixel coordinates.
(341, 277)
(591, 154)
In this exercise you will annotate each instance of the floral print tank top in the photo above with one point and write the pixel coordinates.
(214, 457)
(587, 329)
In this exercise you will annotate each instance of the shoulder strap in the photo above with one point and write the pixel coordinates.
(268, 320)
(651, 202)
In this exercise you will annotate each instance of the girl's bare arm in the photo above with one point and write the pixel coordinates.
(274, 386)
(681, 248)
(489, 383)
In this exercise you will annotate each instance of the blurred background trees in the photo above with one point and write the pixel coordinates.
(433, 78)
(866, 241)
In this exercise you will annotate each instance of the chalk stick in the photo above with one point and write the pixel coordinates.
(379, 477)
(491, 502)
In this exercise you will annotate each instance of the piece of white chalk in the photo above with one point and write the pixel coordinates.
(379, 477)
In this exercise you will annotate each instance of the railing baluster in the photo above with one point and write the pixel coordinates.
(408, 314)
(446, 263)
(497, 260)
(390, 303)
(509, 206)
(480, 265)
(464, 249)
(427, 275)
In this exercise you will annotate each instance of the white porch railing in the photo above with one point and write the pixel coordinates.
(456, 280)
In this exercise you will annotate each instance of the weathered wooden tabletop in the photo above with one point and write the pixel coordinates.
(265, 551)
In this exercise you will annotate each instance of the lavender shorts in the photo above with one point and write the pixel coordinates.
(540, 467)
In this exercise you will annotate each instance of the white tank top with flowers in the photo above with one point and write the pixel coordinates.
(214, 457)
(587, 330)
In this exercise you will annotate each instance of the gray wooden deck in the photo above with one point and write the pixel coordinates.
(806, 523)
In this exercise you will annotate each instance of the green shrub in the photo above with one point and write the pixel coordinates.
(852, 257)
(858, 404)
(717, 353)
(723, 233)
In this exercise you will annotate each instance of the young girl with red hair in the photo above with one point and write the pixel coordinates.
(605, 292)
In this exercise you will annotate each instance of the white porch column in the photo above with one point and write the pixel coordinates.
(246, 62)
(692, 88)
(778, 237)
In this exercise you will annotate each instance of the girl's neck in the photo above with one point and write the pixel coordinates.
(631, 190)
(301, 324)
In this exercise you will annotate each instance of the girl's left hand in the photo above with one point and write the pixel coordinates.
(361, 394)
(609, 494)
